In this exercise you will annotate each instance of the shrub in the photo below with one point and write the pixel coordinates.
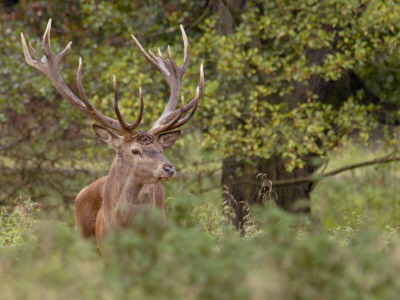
(177, 261)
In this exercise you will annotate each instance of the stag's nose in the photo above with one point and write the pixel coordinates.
(169, 169)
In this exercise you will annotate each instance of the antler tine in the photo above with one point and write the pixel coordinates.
(185, 50)
(152, 61)
(49, 65)
(27, 55)
(170, 71)
(170, 54)
(33, 51)
(166, 127)
(176, 76)
(194, 102)
(131, 127)
(38, 63)
(160, 54)
(178, 113)
(46, 41)
(189, 105)
(81, 90)
(121, 121)
(189, 115)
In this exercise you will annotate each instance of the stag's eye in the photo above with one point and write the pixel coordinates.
(135, 152)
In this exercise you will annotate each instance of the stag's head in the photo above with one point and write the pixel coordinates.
(140, 149)
(142, 153)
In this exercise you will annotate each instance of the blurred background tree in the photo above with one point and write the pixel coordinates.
(296, 79)
(287, 83)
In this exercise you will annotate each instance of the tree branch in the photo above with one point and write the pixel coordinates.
(319, 177)
(383, 67)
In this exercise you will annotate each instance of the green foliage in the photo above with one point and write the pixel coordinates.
(367, 198)
(264, 82)
(287, 259)
(17, 221)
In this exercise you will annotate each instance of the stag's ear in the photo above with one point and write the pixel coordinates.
(167, 140)
(107, 137)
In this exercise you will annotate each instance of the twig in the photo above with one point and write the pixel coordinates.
(318, 177)
(203, 15)
(383, 67)
(11, 145)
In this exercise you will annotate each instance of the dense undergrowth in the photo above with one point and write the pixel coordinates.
(366, 198)
(348, 249)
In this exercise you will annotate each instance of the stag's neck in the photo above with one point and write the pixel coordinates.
(124, 192)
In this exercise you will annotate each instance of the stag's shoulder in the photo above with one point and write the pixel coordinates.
(93, 190)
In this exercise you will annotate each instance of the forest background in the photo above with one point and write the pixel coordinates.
(287, 181)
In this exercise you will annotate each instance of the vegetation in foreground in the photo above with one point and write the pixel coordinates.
(349, 249)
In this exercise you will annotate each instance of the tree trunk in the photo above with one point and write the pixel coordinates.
(237, 175)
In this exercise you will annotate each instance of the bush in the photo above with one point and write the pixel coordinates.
(289, 258)
(16, 221)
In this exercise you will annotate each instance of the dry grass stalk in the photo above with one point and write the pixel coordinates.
(266, 195)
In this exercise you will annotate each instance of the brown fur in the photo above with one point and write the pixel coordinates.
(134, 181)
(89, 202)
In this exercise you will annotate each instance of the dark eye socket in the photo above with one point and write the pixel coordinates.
(135, 152)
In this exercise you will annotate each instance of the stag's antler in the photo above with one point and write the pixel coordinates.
(170, 119)
(50, 66)
(173, 74)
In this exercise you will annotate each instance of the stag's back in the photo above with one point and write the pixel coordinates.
(88, 204)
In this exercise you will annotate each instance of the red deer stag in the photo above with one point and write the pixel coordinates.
(134, 179)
